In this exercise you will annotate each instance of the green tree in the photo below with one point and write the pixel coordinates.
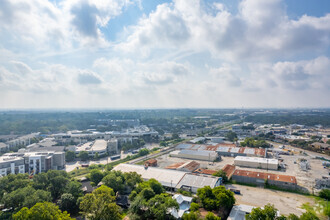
(70, 156)
(83, 155)
(222, 174)
(194, 207)
(211, 216)
(159, 206)
(308, 216)
(74, 188)
(143, 152)
(269, 212)
(44, 211)
(191, 216)
(217, 199)
(231, 136)
(95, 176)
(100, 204)
(292, 217)
(325, 194)
(96, 156)
(67, 202)
(114, 180)
(132, 179)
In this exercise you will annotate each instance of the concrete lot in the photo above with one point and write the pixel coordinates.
(285, 202)
(165, 160)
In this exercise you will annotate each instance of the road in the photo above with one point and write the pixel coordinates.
(153, 155)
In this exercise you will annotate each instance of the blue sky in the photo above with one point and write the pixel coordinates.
(164, 54)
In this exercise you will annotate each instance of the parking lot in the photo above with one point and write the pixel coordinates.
(285, 202)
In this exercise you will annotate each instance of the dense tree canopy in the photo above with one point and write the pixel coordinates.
(150, 202)
(100, 204)
(44, 211)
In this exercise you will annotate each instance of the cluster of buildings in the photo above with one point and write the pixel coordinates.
(31, 162)
(214, 151)
(171, 179)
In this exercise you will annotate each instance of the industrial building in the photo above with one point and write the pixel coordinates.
(195, 155)
(31, 162)
(224, 149)
(192, 182)
(171, 179)
(256, 162)
(260, 178)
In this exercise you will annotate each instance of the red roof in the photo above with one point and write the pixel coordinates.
(270, 176)
(229, 170)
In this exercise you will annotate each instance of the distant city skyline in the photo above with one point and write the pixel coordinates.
(136, 54)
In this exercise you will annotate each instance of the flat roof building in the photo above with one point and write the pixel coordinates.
(256, 162)
(172, 179)
(31, 162)
(195, 155)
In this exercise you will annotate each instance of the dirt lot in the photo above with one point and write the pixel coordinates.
(285, 202)
(164, 161)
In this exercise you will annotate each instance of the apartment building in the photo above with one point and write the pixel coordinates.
(31, 162)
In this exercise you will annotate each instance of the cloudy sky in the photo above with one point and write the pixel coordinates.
(164, 54)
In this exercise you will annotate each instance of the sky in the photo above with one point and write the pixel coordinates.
(117, 54)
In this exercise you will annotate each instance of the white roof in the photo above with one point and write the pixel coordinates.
(197, 181)
(256, 160)
(166, 177)
(238, 212)
(97, 145)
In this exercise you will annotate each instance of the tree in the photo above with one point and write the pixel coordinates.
(70, 156)
(269, 213)
(143, 152)
(96, 156)
(231, 136)
(217, 199)
(190, 216)
(44, 211)
(325, 194)
(292, 217)
(74, 188)
(26, 196)
(308, 216)
(96, 176)
(83, 155)
(159, 206)
(194, 207)
(211, 216)
(67, 202)
(132, 179)
(114, 180)
(58, 185)
(100, 204)
(222, 174)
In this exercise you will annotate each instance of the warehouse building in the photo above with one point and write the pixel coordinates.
(192, 182)
(224, 149)
(195, 155)
(168, 178)
(260, 178)
(171, 179)
(189, 166)
(256, 162)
